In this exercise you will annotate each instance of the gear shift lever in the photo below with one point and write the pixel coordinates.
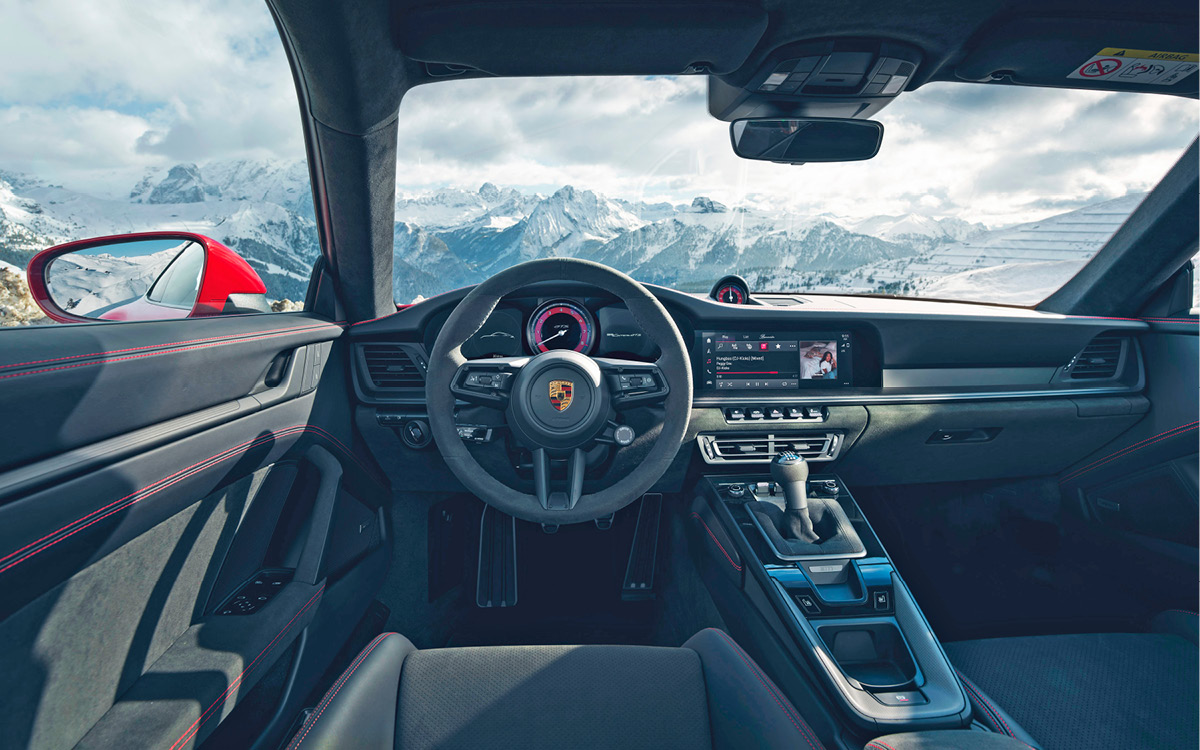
(790, 471)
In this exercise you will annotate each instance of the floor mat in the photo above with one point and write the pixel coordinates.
(569, 582)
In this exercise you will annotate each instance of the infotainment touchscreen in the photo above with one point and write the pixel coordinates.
(774, 361)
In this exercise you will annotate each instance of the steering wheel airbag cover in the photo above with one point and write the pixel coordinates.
(469, 316)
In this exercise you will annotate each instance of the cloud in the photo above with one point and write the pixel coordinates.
(95, 94)
(187, 82)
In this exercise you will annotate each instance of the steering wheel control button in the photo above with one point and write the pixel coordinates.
(624, 435)
(475, 433)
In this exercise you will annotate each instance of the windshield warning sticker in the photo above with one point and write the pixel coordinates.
(1122, 65)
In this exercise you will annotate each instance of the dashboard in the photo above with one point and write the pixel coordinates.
(818, 349)
(889, 389)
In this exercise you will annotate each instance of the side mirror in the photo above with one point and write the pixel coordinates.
(811, 139)
(147, 276)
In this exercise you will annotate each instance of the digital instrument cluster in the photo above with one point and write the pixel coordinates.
(774, 361)
(535, 326)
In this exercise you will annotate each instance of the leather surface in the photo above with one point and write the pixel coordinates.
(825, 513)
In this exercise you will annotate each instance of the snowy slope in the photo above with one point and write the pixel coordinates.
(81, 283)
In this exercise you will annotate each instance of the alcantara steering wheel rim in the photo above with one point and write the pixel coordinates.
(468, 317)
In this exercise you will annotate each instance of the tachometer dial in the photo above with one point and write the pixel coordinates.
(731, 290)
(731, 294)
(561, 324)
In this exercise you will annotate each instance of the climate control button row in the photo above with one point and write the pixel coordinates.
(786, 413)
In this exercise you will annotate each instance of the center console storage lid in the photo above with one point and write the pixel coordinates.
(955, 739)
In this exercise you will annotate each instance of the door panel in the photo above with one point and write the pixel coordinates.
(166, 476)
(68, 386)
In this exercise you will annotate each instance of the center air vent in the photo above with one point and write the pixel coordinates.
(750, 448)
(1099, 360)
(390, 367)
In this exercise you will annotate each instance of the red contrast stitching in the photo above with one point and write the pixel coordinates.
(1182, 611)
(157, 346)
(712, 536)
(333, 691)
(881, 744)
(807, 733)
(195, 727)
(153, 488)
(992, 710)
(176, 350)
(1173, 432)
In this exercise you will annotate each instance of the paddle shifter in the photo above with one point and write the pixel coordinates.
(790, 472)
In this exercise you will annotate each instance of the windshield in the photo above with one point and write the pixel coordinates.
(981, 193)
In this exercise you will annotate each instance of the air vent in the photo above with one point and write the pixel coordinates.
(1100, 359)
(749, 448)
(390, 367)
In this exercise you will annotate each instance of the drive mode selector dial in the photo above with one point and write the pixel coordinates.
(561, 324)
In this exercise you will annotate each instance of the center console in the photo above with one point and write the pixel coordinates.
(829, 584)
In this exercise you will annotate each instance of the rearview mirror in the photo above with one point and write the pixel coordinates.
(148, 276)
(797, 141)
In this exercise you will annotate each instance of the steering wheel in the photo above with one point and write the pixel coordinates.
(560, 403)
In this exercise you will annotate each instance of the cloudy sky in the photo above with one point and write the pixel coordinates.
(93, 95)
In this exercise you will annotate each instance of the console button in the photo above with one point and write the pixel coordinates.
(756, 413)
(795, 412)
(812, 412)
(735, 413)
(882, 599)
(902, 698)
(808, 604)
(775, 413)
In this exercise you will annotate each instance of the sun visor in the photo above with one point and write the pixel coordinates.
(1107, 55)
(585, 38)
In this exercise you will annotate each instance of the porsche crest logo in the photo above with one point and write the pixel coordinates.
(560, 394)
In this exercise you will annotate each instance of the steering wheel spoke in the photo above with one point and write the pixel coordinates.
(634, 383)
(558, 500)
(487, 382)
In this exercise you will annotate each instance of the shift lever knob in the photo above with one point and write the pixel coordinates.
(790, 471)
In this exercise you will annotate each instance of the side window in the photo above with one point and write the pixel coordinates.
(185, 134)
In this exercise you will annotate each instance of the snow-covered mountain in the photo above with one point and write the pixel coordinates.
(452, 237)
(262, 210)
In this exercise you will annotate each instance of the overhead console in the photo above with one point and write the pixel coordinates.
(831, 78)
